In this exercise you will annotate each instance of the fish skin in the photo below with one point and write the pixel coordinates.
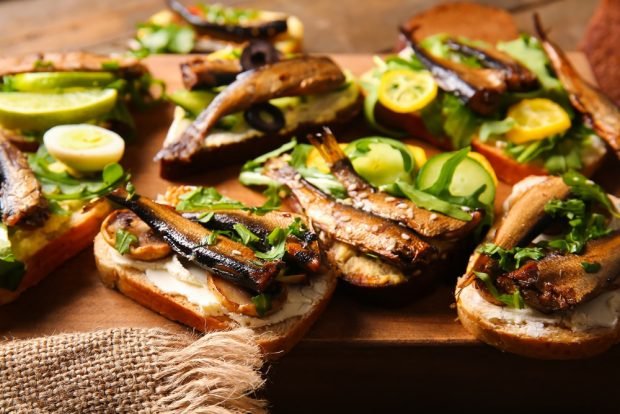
(559, 282)
(518, 78)
(602, 113)
(480, 89)
(290, 77)
(21, 198)
(369, 233)
(303, 251)
(228, 259)
(201, 72)
(424, 222)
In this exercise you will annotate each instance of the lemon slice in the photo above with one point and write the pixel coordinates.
(45, 81)
(84, 147)
(536, 119)
(39, 111)
(405, 91)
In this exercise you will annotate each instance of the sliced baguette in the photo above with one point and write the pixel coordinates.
(529, 337)
(84, 225)
(274, 339)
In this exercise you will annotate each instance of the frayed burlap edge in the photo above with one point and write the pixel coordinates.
(217, 373)
(132, 370)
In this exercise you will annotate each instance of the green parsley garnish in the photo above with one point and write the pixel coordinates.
(124, 241)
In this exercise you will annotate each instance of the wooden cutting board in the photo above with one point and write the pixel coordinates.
(73, 299)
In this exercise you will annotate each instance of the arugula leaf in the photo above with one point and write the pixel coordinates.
(245, 234)
(591, 267)
(588, 190)
(528, 51)
(277, 241)
(205, 217)
(11, 270)
(201, 198)
(494, 128)
(63, 186)
(515, 300)
(297, 228)
(511, 259)
(428, 201)
(460, 123)
(260, 160)
(124, 241)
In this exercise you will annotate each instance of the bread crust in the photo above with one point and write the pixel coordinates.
(555, 342)
(473, 20)
(242, 151)
(51, 256)
(274, 340)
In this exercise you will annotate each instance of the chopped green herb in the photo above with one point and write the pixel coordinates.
(277, 241)
(131, 190)
(63, 186)
(262, 303)
(297, 228)
(124, 241)
(206, 217)
(588, 190)
(511, 259)
(245, 234)
(495, 128)
(514, 300)
(591, 267)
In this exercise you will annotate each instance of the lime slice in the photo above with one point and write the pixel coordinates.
(84, 147)
(46, 81)
(31, 111)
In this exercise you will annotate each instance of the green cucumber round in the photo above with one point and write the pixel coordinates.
(468, 177)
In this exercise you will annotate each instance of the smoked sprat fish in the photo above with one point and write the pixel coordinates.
(369, 233)
(602, 113)
(302, 250)
(424, 222)
(21, 197)
(225, 258)
(291, 77)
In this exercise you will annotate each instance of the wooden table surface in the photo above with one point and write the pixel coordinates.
(335, 26)
(359, 357)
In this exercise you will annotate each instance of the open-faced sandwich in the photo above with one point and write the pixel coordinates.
(385, 216)
(502, 99)
(51, 210)
(205, 28)
(42, 90)
(545, 282)
(244, 102)
(52, 107)
(213, 263)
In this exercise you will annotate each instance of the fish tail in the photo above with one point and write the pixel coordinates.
(326, 143)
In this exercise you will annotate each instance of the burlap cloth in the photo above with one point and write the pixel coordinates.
(131, 370)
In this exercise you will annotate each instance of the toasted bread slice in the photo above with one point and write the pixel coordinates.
(527, 333)
(274, 339)
(82, 228)
(472, 20)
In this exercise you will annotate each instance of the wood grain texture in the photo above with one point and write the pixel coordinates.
(344, 26)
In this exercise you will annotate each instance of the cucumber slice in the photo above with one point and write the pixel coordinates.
(381, 161)
(193, 102)
(468, 177)
(46, 81)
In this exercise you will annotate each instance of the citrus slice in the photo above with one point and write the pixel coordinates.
(405, 91)
(536, 119)
(315, 160)
(32, 111)
(45, 81)
(84, 147)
